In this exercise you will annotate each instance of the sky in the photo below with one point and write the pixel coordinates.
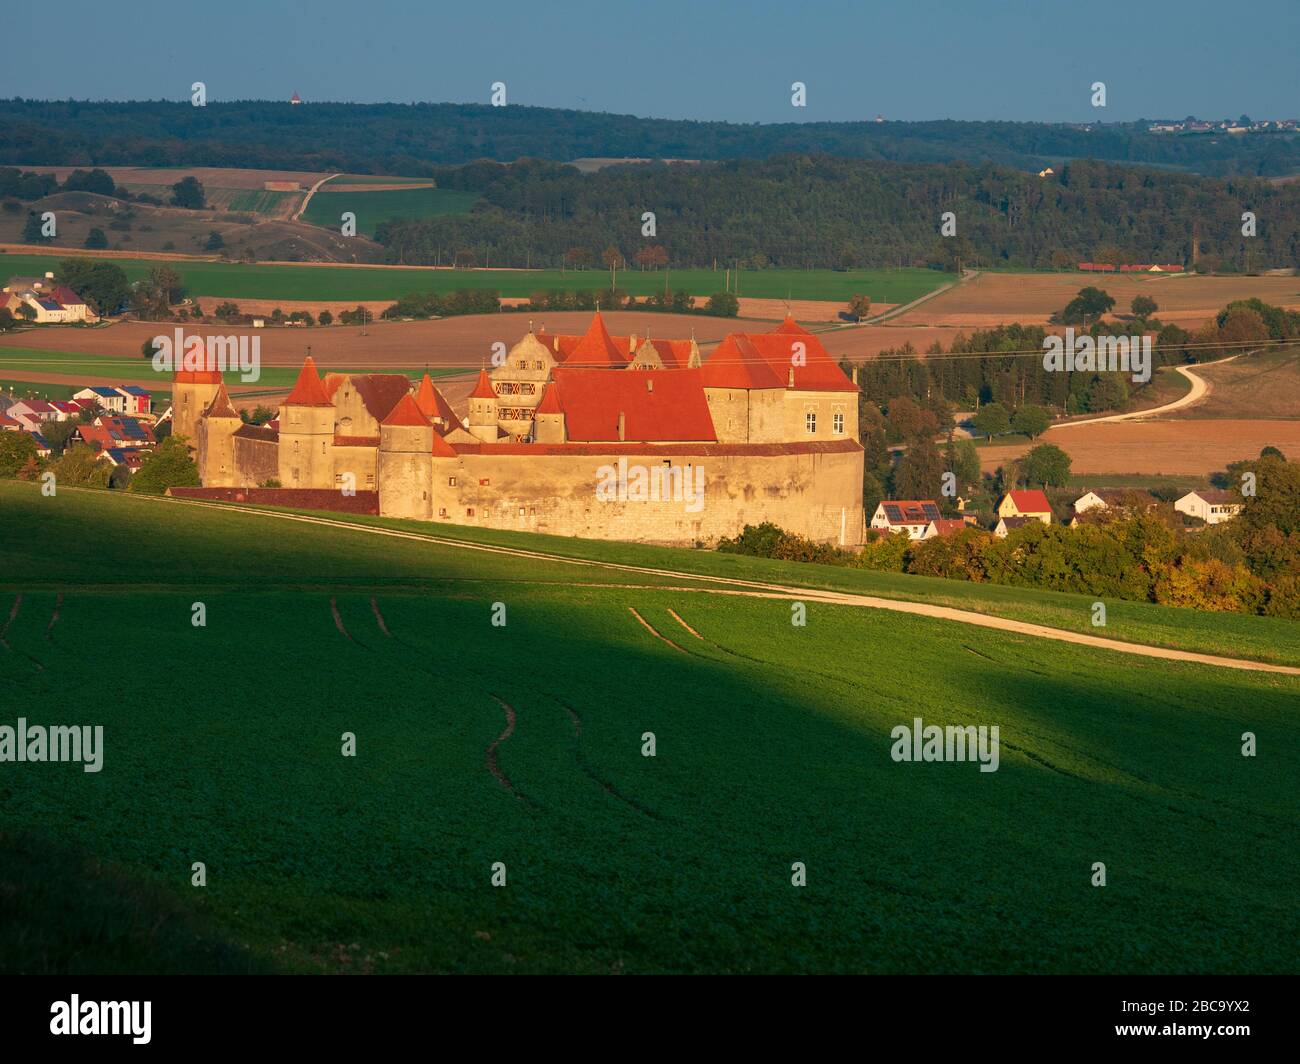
(1023, 60)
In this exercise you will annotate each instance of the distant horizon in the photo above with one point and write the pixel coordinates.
(875, 120)
(1003, 60)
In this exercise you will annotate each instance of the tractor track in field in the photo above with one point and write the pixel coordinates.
(575, 719)
(490, 757)
(343, 629)
(654, 631)
(4, 632)
(54, 618)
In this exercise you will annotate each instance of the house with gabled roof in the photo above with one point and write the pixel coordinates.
(1010, 524)
(910, 517)
(1211, 505)
(53, 303)
(1025, 503)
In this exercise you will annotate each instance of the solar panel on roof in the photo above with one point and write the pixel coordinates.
(931, 511)
(894, 513)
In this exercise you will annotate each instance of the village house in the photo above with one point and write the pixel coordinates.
(910, 517)
(1211, 505)
(944, 527)
(1010, 524)
(1025, 503)
(52, 303)
(1123, 500)
(111, 399)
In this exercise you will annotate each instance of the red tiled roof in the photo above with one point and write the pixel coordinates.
(221, 405)
(1030, 502)
(356, 441)
(441, 448)
(676, 354)
(381, 392)
(550, 403)
(407, 412)
(736, 363)
(6, 420)
(483, 389)
(308, 391)
(433, 404)
(791, 326)
(818, 373)
(656, 404)
(948, 526)
(598, 348)
(65, 295)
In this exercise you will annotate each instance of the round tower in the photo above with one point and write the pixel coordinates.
(216, 442)
(192, 393)
(406, 442)
(307, 433)
(483, 410)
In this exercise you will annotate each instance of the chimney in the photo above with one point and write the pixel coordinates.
(790, 383)
(621, 427)
(631, 344)
(855, 373)
(649, 384)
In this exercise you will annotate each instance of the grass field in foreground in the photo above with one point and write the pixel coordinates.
(772, 747)
(235, 280)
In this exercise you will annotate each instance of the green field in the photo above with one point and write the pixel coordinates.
(372, 208)
(78, 365)
(235, 280)
(256, 200)
(222, 745)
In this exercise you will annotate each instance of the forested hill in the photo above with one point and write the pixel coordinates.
(407, 139)
(800, 211)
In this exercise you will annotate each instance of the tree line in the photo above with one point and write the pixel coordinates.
(409, 139)
(800, 211)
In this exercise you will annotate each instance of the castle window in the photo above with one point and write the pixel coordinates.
(451, 482)
(442, 511)
(370, 478)
(521, 511)
(483, 482)
(469, 511)
(295, 446)
(810, 423)
(837, 424)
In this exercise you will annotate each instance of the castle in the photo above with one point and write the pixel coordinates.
(596, 436)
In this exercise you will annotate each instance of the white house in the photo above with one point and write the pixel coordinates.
(908, 516)
(112, 399)
(1211, 505)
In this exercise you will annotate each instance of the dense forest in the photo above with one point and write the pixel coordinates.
(801, 211)
(408, 139)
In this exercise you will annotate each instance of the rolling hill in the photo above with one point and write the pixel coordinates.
(522, 744)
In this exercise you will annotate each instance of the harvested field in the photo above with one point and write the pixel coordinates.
(805, 310)
(1266, 385)
(465, 341)
(1030, 298)
(1183, 446)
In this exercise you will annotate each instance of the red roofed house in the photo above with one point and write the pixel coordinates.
(53, 303)
(765, 429)
(910, 517)
(1031, 503)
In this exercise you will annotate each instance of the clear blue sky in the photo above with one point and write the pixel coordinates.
(907, 59)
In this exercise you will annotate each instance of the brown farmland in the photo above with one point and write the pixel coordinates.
(1169, 447)
(1030, 298)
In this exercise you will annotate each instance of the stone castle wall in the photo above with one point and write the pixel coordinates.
(812, 489)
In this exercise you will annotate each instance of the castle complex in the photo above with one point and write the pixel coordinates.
(596, 436)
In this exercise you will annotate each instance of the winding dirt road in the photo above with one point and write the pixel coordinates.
(1199, 390)
(758, 589)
